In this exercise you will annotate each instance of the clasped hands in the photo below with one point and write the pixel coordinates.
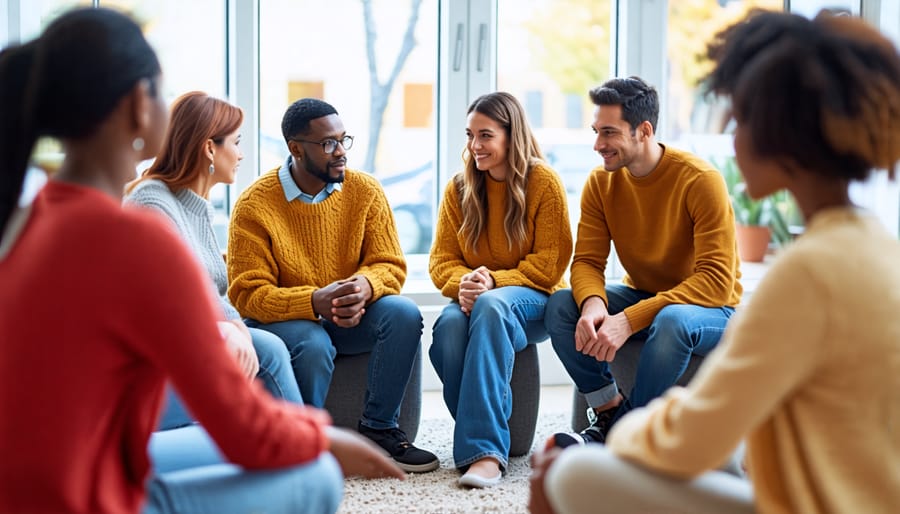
(473, 284)
(598, 333)
(343, 302)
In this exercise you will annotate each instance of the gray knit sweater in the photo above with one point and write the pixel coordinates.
(192, 216)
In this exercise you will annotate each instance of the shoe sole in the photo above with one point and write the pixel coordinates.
(477, 482)
(413, 468)
(418, 468)
(564, 441)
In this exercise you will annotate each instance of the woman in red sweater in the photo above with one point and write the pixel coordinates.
(102, 306)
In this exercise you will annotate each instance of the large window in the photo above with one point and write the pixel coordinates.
(702, 123)
(167, 24)
(549, 54)
(689, 114)
(375, 62)
(392, 68)
(193, 58)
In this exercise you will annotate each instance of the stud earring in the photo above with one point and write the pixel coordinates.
(138, 144)
(212, 169)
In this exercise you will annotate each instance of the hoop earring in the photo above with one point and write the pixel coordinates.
(138, 144)
(212, 169)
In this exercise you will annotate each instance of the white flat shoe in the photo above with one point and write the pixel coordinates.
(479, 482)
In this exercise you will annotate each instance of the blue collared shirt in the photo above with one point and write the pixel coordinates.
(292, 192)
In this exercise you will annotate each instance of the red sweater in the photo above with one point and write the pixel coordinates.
(98, 306)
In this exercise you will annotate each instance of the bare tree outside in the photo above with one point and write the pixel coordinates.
(381, 91)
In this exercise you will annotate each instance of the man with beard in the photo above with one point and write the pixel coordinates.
(313, 257)
(667, 213)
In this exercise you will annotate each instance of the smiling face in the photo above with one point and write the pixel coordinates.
(227, 158)
(315, 166)
(615, 140)
(488, 144)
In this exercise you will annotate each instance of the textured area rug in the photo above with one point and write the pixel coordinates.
(437, 492)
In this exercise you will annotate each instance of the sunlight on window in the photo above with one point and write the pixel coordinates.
(550, 53)
(386, 103)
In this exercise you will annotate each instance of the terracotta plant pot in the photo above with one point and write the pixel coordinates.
(752, 242)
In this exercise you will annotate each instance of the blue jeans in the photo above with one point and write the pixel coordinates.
(474, 356)
(391, 329)
(190, 475)
(274, 371)
(677, 332)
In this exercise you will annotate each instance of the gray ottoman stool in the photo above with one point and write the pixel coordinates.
(526, 395)
(346, 395)
(623, 368)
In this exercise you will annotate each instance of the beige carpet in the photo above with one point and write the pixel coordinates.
(437, 492)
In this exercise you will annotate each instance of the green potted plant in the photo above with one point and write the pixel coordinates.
(758, 222)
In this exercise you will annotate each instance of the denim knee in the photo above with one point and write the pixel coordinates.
(331, 479)
(316, 486)
(449, 336)
(317, 349)
(561, 313)
(671, 327)
(270, 349)
(491, 303)
(401, 311)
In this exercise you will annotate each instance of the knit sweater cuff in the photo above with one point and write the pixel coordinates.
(302, 305)
(581, 294)
(377, 285)
(641, 314)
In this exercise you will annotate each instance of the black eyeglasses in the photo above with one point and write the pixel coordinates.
(330, 145)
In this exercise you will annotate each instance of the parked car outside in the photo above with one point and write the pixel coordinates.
(410, 194)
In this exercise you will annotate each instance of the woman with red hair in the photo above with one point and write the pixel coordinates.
(101, 306)
(202, 149)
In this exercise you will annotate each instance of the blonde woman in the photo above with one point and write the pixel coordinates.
(501, 248)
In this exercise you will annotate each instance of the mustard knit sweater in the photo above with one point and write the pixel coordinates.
(808, 370)
(279, 253)
(673, 231)
(539, 263)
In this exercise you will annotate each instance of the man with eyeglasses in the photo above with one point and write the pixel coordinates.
(669, 216)
(314, 257)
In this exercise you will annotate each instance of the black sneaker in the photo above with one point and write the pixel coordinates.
(397, 446)
(600, 423)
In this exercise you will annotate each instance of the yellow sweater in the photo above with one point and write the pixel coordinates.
(279, 253)
(673, 231)
(538, 264)
(810, 369)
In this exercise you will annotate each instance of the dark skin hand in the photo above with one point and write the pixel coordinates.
(343, 302)
(540, 463)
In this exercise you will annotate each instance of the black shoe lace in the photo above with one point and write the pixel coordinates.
(400, 438)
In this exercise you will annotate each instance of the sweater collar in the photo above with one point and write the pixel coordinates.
(654, 175)
(193, 202)
(292, 190)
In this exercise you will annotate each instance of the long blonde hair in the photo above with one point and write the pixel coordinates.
(524, 152)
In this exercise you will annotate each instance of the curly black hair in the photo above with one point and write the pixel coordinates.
(824, 94)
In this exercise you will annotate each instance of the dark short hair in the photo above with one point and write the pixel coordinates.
(639, 100)
(300, 113)
(820, 93)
